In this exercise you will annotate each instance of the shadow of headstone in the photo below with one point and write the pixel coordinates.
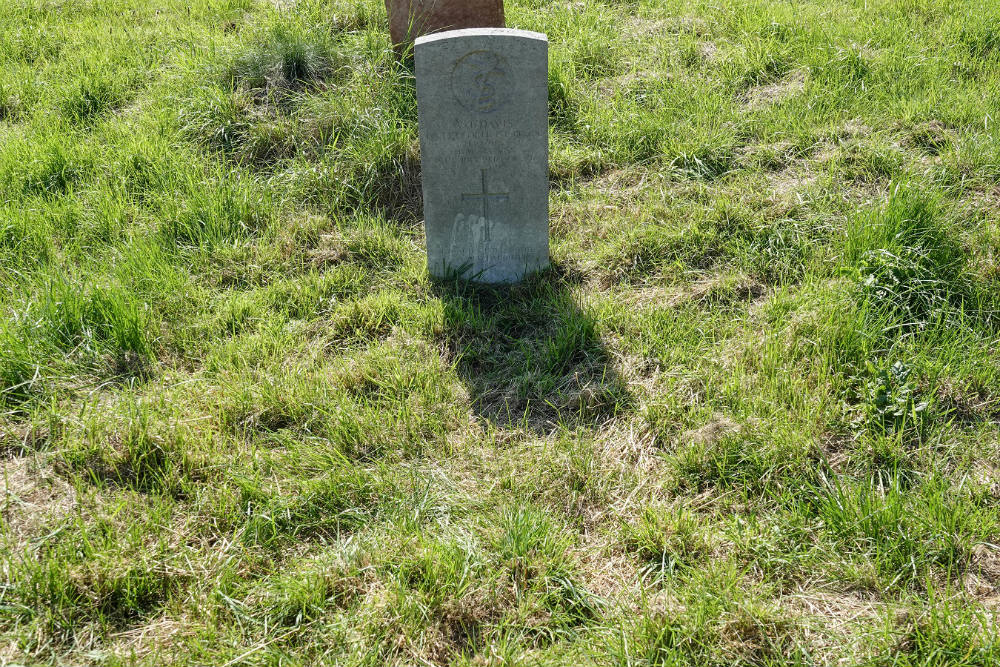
(529, 355)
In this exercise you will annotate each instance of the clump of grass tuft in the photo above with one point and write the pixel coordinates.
(248, 112)
(302, 596)
(99, 319)
(387, 180)
(231, 208)
(286, 58)
(563, 102)
(343, 499)
(902, 534)
(715, 623)
(221, 118)
(529, 542)
(757, 462)
(533, 550)
(944, 633)
(20, 373)
(906, 261)
(371, 318)
(92, 96)
(52, 171)
(139, 453)
(983, 40)
(667, 541)
(846, 68)
(11, 106)
(86, 580)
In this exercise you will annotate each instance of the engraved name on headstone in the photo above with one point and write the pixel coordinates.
(482, 96)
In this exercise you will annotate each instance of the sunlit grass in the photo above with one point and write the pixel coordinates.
(751, 416)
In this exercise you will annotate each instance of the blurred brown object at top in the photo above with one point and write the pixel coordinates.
(409, 19)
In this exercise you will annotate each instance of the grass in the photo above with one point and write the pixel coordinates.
(750, 416)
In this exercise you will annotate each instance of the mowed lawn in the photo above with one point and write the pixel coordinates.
(751, 416)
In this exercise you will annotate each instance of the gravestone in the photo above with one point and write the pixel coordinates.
(482, 97)
(409, 19)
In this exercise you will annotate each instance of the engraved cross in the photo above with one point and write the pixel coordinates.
(485, 196)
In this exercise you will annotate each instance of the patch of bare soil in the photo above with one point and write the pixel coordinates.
(931, 137)
(718, 289)
(158, 636)
(836, 626)
(968, 405)
(708, 51)
(636, 80)
(719, 427)
(32, 494)
(330, 250)
(626, 447)
(982, 579)
(608, 573)
(835, 449)
(644, 27)
(852, 130)
(18, 439)
(760, 97)
(623, 185)
(789, 184)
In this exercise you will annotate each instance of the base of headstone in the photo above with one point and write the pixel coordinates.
(409, 19)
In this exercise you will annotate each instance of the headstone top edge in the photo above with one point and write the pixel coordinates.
(482, 32)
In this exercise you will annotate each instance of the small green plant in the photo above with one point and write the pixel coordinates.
(901, 281)
(889, 398)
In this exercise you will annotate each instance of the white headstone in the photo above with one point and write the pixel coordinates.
(482, 96)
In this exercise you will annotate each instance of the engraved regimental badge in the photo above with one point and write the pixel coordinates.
(480, 81)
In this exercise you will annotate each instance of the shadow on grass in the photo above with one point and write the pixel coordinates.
(529, 354)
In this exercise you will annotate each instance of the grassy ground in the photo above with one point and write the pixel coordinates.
(751, 417)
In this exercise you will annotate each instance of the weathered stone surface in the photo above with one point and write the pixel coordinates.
(409, 19)
(482, 96)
